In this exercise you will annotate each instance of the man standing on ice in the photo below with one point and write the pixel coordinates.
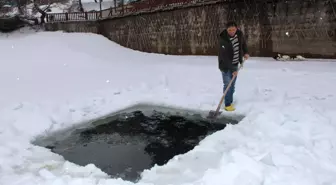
(232, 50)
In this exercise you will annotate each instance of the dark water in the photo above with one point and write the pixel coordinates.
(124, 147)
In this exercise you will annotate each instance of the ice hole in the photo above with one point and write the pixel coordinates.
(125, 143)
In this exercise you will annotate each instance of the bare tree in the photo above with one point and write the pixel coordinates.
(21, 6)
(42, 12)
(24, 17)
(81, 9)
(2, 3)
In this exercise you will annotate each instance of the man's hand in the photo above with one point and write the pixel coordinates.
(235, 73)
(246, 56)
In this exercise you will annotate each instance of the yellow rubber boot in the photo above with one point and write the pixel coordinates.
(230, 108)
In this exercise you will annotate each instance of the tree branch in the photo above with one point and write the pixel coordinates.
(42, 12)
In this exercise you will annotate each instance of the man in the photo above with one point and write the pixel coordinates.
(232, 49)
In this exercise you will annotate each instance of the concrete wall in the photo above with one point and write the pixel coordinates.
(295, 27)
(73, 26)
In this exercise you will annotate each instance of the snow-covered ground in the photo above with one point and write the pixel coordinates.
(51, 81)
(91, 5)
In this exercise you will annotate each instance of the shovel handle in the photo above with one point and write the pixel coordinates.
(226, 90)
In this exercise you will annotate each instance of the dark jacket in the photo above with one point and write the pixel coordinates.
(225, 55)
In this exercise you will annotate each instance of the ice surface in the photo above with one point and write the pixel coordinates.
(51, 81)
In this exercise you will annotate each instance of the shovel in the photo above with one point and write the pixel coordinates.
(214, 114)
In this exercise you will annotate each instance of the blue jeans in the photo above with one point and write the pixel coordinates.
(227, 76)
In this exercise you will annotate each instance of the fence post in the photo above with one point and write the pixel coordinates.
(86, 16)
(66, 16)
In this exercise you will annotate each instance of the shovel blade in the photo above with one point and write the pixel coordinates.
(213, 114)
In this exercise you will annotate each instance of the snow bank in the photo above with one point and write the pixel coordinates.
(51, 81)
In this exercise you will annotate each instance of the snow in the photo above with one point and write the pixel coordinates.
(91, 5)
(58, 7)
(54, 80)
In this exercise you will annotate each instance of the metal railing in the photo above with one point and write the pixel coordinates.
(76, 16)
